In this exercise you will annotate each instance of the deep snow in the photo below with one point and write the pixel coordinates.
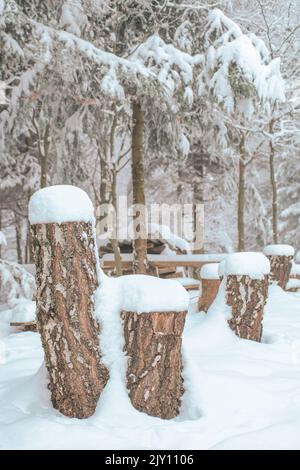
(239, 394)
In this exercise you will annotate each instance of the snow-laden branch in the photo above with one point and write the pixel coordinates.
(238, 66)
(173, 68)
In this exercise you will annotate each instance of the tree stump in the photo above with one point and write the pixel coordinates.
(210, 289)
(281, 261)
(210, 283)
(154, 373)
(280, 269)
(66, 280)
(247, 298)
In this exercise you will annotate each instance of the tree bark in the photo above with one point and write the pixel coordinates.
(0, 230)
(66, 280)
(114, 241)
(45, 157)
(18, 239)
(273, 186)
(140, 263)
(241, 199)
(280, 269)
(247, 298)
(210, 288)
(153, 344)
(28, 248)
(200, 158)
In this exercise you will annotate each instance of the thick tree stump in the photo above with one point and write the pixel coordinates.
(210, 283)
(280, 269)
(66, 280)
(210, 289)
(153, 344)
(247, 298)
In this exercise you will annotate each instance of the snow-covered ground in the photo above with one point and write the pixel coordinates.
(239, 394)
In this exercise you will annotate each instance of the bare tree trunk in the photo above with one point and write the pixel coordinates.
(114, 241)
(140, 263)
(241, 198)
(153, 344)
(0, 230)
(66, 280)
(273, 186)
(280, 269)
(28, 248)
(18, 239)
(210, 289)
(43, 142)
(247, 298)
(199, 156)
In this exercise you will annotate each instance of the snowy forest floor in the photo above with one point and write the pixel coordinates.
(239, 394)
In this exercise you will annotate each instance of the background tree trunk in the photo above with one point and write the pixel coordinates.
(273, 186)
(280, 269)
(241, 198)
(247, 298)
(210, 289)
(66, 280)
(18, 237)
(153, 344)
(140, 262)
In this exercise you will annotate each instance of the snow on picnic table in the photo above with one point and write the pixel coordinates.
(205, 258)
(239, 394)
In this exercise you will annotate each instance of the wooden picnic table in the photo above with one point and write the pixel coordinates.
(160, 261)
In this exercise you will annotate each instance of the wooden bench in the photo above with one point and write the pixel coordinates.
(25, 326)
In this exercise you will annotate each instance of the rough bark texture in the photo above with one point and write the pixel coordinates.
(66, 280)
(280, 269)
(153, 344)
(140, 263)
(247, 298)
(210, 288)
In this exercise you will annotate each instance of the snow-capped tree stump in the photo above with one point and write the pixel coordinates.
(210, 283)
(246, 276)
(154, 373)
(247, 298)
(66, 279)
(281, 258)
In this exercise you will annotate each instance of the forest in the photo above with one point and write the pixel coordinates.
(157, 101)
(149, 226)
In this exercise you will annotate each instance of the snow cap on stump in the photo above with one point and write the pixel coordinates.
(144, 294)
(210, 271)
(252, 264)
(279, 250)
(58, 204)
